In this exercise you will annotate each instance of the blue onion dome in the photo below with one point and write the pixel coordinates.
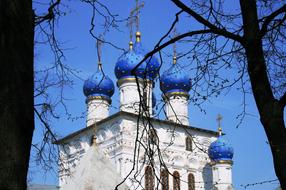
(220, 150)
(154, 101)
(175, 80)
(127, 62)
(98, 84)
(153, 65)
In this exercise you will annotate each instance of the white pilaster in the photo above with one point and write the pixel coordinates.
(222, 175)
(130, 97)
(97, 109)
(177, 108)
(148, 95)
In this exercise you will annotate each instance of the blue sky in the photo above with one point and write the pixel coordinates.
(252, 159)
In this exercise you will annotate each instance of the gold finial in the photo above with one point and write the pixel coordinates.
(99, 65)
(174, 59)
(219, 131)
(219, 118)
(138, 36)
(130, 45)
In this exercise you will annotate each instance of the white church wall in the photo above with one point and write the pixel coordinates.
(177, 109)
(222, 176)
(116, 139)
(97, 109)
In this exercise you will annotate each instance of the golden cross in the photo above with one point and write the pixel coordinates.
(130, 22)
(219, 118)
(175, 47)
(138, 7)
(98, 47)
(137, 14)
(134, 17)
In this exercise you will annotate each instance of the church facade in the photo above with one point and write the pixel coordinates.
(132, 149)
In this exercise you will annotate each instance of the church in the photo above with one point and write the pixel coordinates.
(132, 149)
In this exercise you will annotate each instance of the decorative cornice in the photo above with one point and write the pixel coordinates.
(166, 96)
(230, 162)
(89, 98)
(132, 79)
(124, 114)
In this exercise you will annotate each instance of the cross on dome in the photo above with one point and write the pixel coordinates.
(127, 65)
(174, 80)
(219, 118)
(134, 17)
(174, 47)
(138, 7)
(98, 47)
(220, 150)
(98, 84)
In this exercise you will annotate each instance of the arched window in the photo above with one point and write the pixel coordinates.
(149, 178)
(164, 178)
(152, 136)
(176, 180)
(191, 181)
(189, 146)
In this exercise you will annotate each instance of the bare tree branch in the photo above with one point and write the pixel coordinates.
(206, 23)
(50, 14)
(270, 18)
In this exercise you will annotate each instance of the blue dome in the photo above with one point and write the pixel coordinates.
(127, 62)
(153, 65)
(98, 85)
(220, 150)
(175, 80)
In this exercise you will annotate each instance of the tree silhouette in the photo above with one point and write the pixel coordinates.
(16, 94)
(250, 39)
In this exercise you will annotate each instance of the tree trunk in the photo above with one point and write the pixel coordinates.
(270, 109)
(16, 92)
